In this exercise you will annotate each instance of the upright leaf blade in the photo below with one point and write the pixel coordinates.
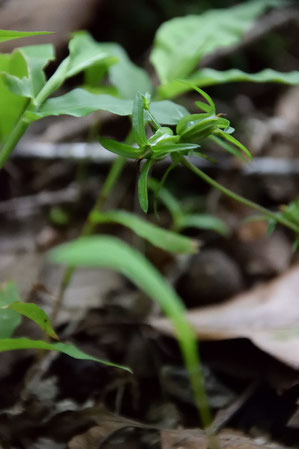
(109, 252)
(142, 185)
(138, 121)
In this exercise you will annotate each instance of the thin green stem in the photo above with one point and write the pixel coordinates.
(13, 138)
(89, 227)
(240, 199)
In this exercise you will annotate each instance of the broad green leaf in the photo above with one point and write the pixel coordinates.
(142, 185)
(83, 53)
(203, 221)
(36, 57)
(12, 104)
(122, 149)
(18, 86)
(9, 344)
(181, 42)
(210, 77)
(36, 314)
(138, 121)
(7, 35)
(79, 103)
(9, 319)
(167, 112)
(127, 77)
(167, 240)
(109, 252)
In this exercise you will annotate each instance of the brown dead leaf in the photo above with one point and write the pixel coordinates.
(268, 315)
(196, 439)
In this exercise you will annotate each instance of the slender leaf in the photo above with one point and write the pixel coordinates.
(234, 141)
(142, 185)
(181, 42)
(203, 221)
(122, 149)
(167, 240)
(7, 35)
(109, 252)
(209, 77)
(9, 319)
(138, 121)
(9, 344)
(163, 150)
(228, 147)
(36, 314)
(167, 198)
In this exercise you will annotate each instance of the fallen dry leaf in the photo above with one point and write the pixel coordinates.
(196, 439)
(268, 315)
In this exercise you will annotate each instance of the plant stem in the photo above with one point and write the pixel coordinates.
(240, 199)
(89, 227)
(13, 138)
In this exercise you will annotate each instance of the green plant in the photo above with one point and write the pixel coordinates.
(175, 133)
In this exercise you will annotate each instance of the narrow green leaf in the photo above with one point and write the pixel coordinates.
(203, 221)
(212, 108)
(233, 140)
(79, 103)
(7, 35)
(109, 252)
(36, 314)
(227, 147)
(162, 238)
(167, 198)
(9, 319)
(142, 185)
(163, 150)
(122, 149)
(209, 77)
(271, 226)
(9, 344)
(138, 121)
